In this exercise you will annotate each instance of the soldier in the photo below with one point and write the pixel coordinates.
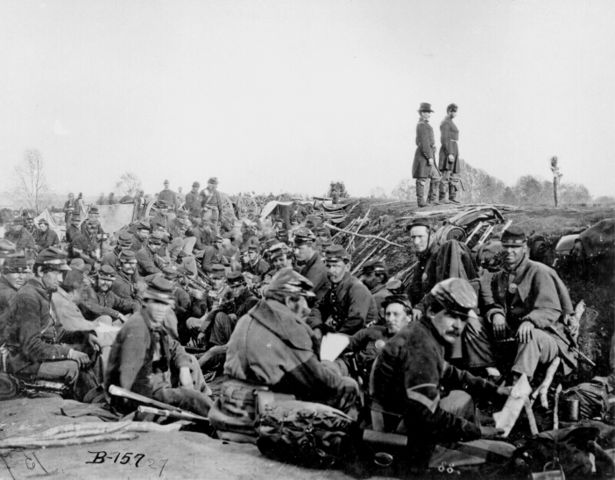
(449, 162)
(375, 277)
(423, 166)
(15, 272)
(526, 301)
(411, 371)
(193, 201)
(147, 361)
(73, 229)
(347, 306)
(127, 283)
(148, 258)
(253, 263)
(45, 237)
(436, 262)
(69, 208)
(272, 346)
(20, 237)
(92, 224)
(168, 196)
(368, 342)
(211, 201)
(279, 257)
(309, 261)
(28, 223)
(105, 301)
(221, 321)
(142, 231)
(38, 346)
(213, 255)
(124, 242)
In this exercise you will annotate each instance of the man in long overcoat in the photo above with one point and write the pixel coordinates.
(423, 166)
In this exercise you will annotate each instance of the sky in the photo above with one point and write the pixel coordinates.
(288, 95)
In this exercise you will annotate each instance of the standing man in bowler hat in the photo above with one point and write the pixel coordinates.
(423, 166)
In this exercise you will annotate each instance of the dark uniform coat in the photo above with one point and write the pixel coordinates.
(7, 292)
(22, 239)
(408, 377)
(131, 364)
(349, 303)
(271, 346)
(449, 136)
(425, 149)
(32, 334)
(316, 272)
(532, 292)
(46, 239)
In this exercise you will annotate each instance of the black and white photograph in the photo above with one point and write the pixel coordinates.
(307, 239)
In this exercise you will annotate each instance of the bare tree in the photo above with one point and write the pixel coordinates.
(31, 180)
(128, 184)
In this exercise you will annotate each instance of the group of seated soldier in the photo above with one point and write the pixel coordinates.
(256, 309)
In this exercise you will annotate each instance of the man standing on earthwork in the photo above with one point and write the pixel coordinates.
(423, 166)
(449, 162)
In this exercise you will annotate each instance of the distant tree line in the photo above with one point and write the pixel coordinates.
(480, 187)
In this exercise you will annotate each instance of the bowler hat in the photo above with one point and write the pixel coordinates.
(425, 107)
(451, 108)
(213, 181)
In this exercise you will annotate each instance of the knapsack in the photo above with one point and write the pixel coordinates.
(304, 433)
(592, 396)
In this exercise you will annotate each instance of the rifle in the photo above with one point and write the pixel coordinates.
(176, 415)
(120, 392)
(571, 345)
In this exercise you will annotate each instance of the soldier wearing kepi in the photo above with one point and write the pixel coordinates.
(449, 162)
(423, 166)
(15, 272)
(272, 345)
(38, 346)
(528, 301)
(309, 262)
(146, 360)
(348, 306)
(411, 370)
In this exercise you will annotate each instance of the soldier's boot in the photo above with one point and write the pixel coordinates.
(452, 193)
(433, 192)
(420, 194)
(443, 192)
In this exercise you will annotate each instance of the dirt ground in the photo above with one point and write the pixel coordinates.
(176, 455)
